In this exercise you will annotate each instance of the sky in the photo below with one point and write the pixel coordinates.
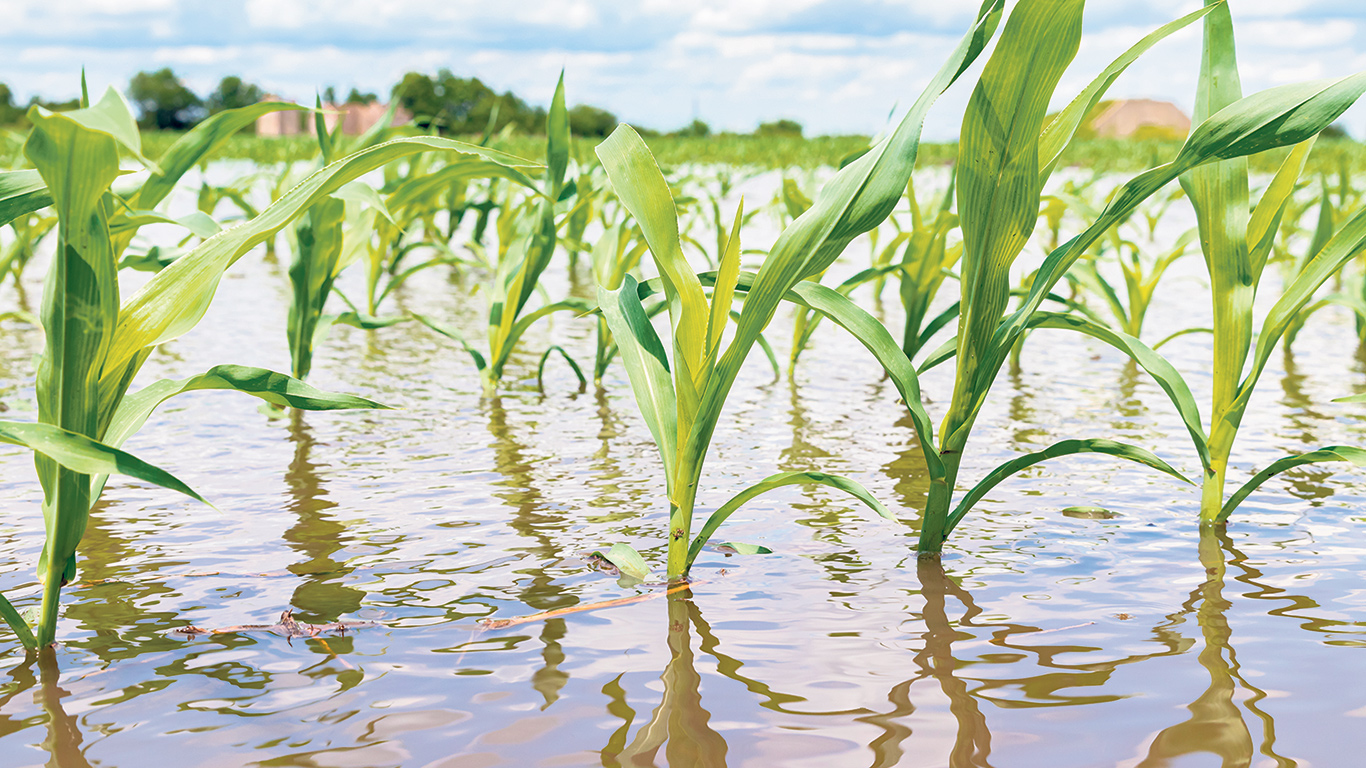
(836, 66)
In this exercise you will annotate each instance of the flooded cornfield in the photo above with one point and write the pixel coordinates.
(1079, 617)
(379, 447)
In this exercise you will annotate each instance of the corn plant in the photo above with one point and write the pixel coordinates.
(96, 345)
(1236, 238)
(682, 397)
(1005, 154)
(526, 244)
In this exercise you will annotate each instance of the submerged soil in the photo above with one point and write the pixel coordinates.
(1043, 638)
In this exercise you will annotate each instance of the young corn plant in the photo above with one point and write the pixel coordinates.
(1237, 238)
(1005, 155)
(682, 396)
(526, 244)
(96, 344)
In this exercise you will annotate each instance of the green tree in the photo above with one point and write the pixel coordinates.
(585, 120)
(696, 128)
(10, 114)
(163, 101)
(463, 105)
(356, 97)
(779, 128)
(233, 92)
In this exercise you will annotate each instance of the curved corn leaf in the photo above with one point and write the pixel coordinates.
(641, 187)
(1349, 241)
(479, 363)
(1179, 334)
(858, 198)
(1359, 398)
(524, 322)
(1060, 131)
(83, 455)
(1355, 456)
(999, 183)
(540, 369)
(628, 561)
(1156, 365)
(175, 299)
(777, 481)
(1272, 118)
(368, 322)
(646, 366)
(274, 388)
(22, 193)
(16, 622)
(1355, 303)
(1062, 448)
(197, 143)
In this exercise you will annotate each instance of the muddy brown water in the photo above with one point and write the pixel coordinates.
(1041, 639)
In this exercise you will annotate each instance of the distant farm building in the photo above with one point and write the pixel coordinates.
(1140, 118)
(355, 119)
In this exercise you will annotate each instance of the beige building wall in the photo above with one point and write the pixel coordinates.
(355, 119)
(1124, 118)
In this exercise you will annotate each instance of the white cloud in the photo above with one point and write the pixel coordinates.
(738, 62)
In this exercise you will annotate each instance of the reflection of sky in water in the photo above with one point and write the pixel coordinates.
(1044, 639)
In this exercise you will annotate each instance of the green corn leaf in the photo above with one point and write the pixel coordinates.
(451, 333)
(858, 198)
(741, 548)
(1179, 334)
(778, 481)
(540, 369)
(1349, 241)
(724, 290)
(363, 194)
(516, 330)
(628, 561)
(80, 309)
(198, 143)
(642, 189)
(999, 183)
(1355, 456)
(16, 622)
(646, 365)
(110, 116)
(85, 456)
(22, 193)
(175, 299)
(422, 187)
(1359, 398)
(1276, 117)
(1219, 193)
(557, 141)
(1266, 217)
(1156, 365)
(198, 223)
(1062, 448)
(1059, 133)
(274, 388)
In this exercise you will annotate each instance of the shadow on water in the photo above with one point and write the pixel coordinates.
(1310, 481)
(680, 725)
(1216, 725)
(64, 743)
(532, 518)
(316, 536)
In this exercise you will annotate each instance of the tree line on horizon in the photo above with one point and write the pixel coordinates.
(451, 104)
